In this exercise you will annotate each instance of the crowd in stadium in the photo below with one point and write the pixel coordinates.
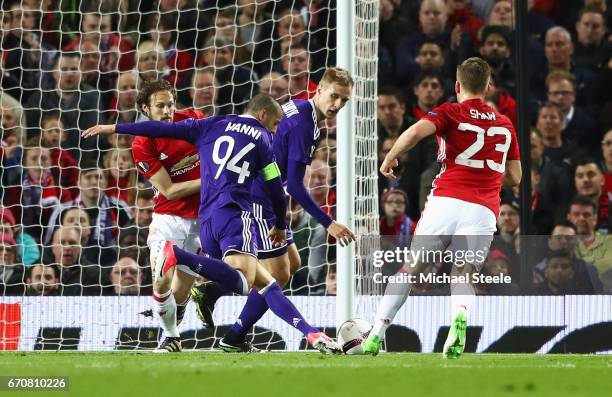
(75, 213)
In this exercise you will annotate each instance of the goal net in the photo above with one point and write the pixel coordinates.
(75, 268)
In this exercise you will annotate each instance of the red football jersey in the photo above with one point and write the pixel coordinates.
(474, 142)
(181, 161)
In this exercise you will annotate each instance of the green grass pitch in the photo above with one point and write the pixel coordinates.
(314, 375)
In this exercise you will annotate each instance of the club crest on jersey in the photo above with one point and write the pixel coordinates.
(144, 166)
(475, 114)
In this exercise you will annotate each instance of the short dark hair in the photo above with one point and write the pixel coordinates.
(551, 105)
(564, 223)
(429, 74)
(474, 74)
(592, 9)
(145, 194)
(560, 253)
(87, 164)
(389, 90)
(262, 102)
(52, 266)
(586, 160)
(50, 115)
(151, 87)
(583, 200)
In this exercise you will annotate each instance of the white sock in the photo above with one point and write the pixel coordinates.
(165, 307)
(392, 301)
(462, 299)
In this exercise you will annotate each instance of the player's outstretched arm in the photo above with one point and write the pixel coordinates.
(186, 130)
(271, 175)
(174, 191)
(295, 186)
(406, 141)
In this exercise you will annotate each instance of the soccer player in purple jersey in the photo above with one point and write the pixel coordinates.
(294, 144)
(233, 150)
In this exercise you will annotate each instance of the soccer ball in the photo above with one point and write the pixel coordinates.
(351, 333)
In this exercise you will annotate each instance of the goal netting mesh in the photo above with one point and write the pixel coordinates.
(75, 268)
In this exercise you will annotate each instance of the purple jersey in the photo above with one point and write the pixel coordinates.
(296, 139)
(233, 150)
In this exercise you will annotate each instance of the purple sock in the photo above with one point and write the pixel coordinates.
(254, 308)
(214, 270)
(283, 308)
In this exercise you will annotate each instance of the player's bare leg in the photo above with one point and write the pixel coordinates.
(170, 294)
(393, 299)
(462, 299)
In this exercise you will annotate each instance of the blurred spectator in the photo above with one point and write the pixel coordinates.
(125, 277)
(606, 164)
(78, 219)
(431, 59)
(296, 64)
(560, 276)
(391, 112)
(235, 81)
(225, 27)
(589, 182)
(204, 91)
(428, 90)
(508, 228)
(11, 272)
(122, 108)
(290, 30)
(162, 30)
(552, 189)
(318, 180)
(394, 221)
(275, 85)
(563, 237)
(501, 100)
(316, 15)
(33, 200)
(133, 243)
(501, 14)
(461, 14)
(63, 166)
(255, 26)
(12, 138)
(143, 211)
(498, 264)
(151, 61)
(90, 70)
(78, 276)
(433, 16)
(592, 48)
(593, 247)
(311, 238)
(550, 125)
(43, 280)
(330, 281)
(559, 50)
(105, 213)
(78, 105)
(121, 175)
(116, 52)
(326, 151)
(28, 251)
(19, 72)
(192, 23)
(495, 49)
(578, 125)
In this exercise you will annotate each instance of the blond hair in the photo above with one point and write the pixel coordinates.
(337, 75)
